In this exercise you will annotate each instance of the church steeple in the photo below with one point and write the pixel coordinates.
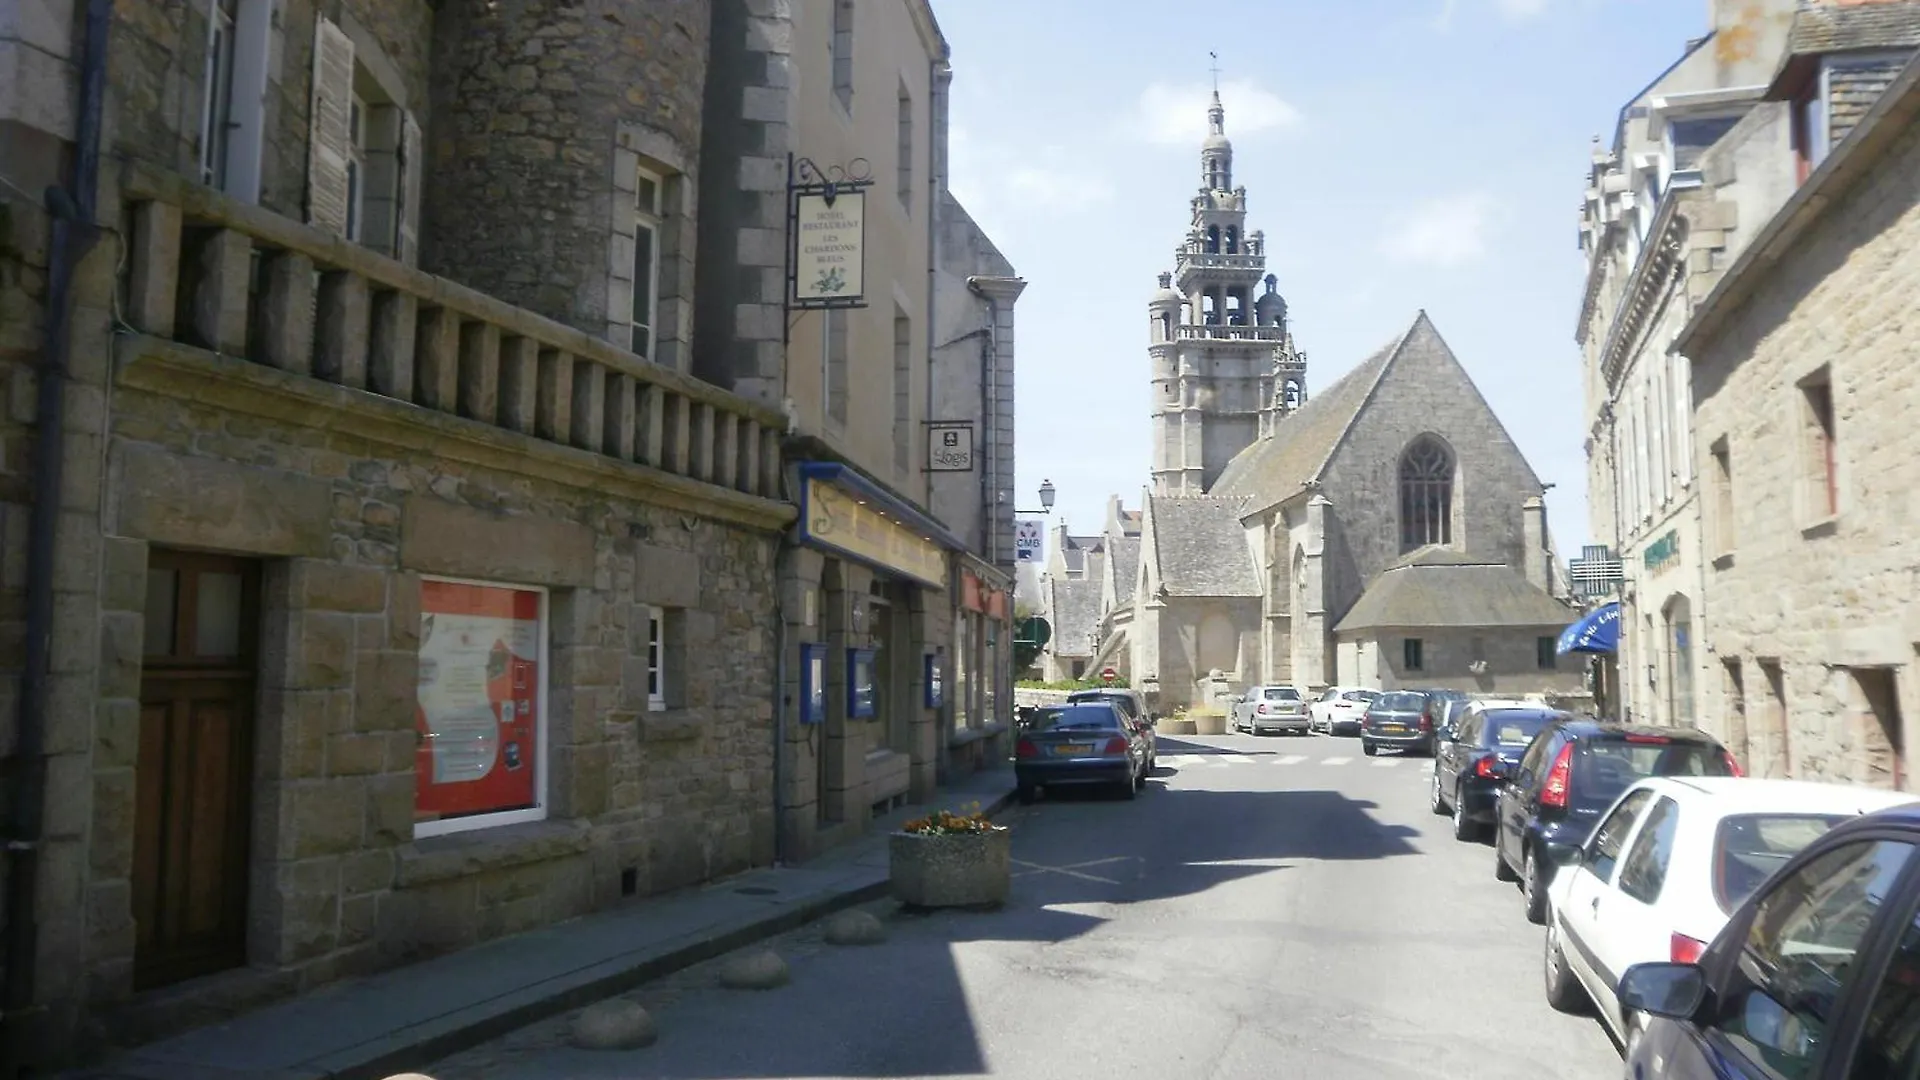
(1216, 153)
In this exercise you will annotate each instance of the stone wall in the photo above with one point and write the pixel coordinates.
(1812, 598)
(1511, 655)
(542, 113)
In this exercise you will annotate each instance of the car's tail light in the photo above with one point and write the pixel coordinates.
(1733, 767)
(1025, 748)
(1115, 746)
(1484, 767)
(1426, 721)
(1685, 950)
(1262, 710)
(1555, 791)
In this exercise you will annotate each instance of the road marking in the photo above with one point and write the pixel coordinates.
(1335, 760)
(1385, 763)
(1072, 870)
(1290, 759)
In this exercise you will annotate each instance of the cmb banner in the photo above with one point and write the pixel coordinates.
(1026, 541)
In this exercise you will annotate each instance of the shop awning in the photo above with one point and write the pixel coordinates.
(847, 513)
(1598, 631)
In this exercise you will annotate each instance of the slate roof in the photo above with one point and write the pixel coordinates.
(1200, 547)
(1125, 560)
(1438, 588)
(1074, 607)
(1279, 466)
(1825, 28)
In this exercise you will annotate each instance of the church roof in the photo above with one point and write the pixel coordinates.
(1074, 610)
(1124, 558)
(1281, 465)
(1200, 546)
(1439, 588)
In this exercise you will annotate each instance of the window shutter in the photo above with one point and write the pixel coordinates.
(328, 135)
(412, 165)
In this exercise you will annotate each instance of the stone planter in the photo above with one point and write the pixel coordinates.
(1176, 725)
(955, 870)
(1209, 723)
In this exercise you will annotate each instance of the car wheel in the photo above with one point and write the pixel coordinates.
(1368, 748)
(1501, 871)
(1564, 991)
(1463, 826)
(1129, 788)
(1434, 802)
(1533, 890)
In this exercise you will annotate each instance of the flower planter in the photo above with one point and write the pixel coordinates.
(1209, 724)
(952, 869)
(1177, 725)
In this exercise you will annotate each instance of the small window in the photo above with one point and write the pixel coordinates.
(842, 53)
(1822, 469)
(1546, 654)
(1645, 870)
(903, 179)
(834, 360)
(1721, 480)
(902, 393)
(216, 114)
(1608, 840)
(356, 166)
(646, 259)
(656, 659)
(1412, 655)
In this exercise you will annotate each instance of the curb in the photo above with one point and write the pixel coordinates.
(472, 1026)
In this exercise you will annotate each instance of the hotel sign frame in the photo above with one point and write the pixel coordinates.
(826, 235)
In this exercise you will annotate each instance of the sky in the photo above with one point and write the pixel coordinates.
(1399, 154)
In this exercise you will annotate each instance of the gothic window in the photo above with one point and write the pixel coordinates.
(1233, 240)
(1426, 494)
(1293, 394)
(1213, 239)
(1166, 328)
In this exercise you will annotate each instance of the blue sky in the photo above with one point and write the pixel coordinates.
(1399, 154)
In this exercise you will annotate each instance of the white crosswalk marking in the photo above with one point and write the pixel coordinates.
(1385, 763)
(1335, 760)
(1290, 759)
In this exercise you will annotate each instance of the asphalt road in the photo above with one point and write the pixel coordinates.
(1270, 907)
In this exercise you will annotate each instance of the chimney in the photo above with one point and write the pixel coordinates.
(1533, 541)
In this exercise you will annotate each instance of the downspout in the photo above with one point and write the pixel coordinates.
(780, 842)
(937, 75)
(74, 234)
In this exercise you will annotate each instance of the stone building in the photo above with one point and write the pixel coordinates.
(1070, 591)
(890, 584)
(384, 570)
(1658, 219)
(1804, 389)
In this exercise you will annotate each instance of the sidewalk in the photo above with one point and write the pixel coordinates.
(369, 1028)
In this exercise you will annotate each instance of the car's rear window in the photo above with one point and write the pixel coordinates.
(1076, 718)
(1750, 847)
(1400, 702)
(1605, 766)
(1360, 695)
(1120, 701)
(1512, 729)
(1281, 693)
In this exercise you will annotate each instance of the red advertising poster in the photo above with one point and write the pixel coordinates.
(479, 699)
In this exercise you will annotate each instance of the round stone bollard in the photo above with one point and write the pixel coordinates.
(615, 1024)
(762, 970)
(855, 927)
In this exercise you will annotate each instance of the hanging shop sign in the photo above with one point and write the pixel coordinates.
(833, 518)
(950, 446)
(827, 233)
(479, 708)
(1026, 541)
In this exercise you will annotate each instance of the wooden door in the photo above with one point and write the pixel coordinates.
(195, 772)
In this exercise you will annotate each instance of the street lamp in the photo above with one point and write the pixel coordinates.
(1046, 499)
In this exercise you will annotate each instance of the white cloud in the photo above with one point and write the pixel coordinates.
(991, 178)
(1522, 9)
(1512, 9)
(1446, 231)
(1176, 115)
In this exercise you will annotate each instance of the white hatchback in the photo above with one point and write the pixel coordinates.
(1339, 709)
(1666, 867)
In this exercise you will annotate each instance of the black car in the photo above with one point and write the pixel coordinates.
(1570, 774)
(1463, 766)
(1132, 706)
(1816, 975)
(1398, 720)
(1086, 743)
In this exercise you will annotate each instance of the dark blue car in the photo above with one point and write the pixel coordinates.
(1816, 976)
(1465, 760)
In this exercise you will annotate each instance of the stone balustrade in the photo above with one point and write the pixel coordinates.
(205, 271)
(1215, 260)
(1232, 333)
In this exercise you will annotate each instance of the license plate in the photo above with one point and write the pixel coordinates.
(1394, 729)
(1071, 751)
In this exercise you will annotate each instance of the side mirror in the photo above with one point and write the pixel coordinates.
(1675, 991)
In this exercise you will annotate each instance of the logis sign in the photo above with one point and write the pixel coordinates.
(950, 446)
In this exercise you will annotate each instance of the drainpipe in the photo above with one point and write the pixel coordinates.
(74, 234)
(780, 841)
(938, 73)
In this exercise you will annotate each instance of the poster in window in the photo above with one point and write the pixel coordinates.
(860, 692)
(479, 700)
(936, 689)
(813, 684)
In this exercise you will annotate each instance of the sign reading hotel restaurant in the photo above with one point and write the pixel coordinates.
(829, 248)
(838, 520)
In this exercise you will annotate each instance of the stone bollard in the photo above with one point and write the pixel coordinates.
(855, 927)
(762, 970)
(614, 1024)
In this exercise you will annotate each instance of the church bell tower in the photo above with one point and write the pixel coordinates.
(1224, 368)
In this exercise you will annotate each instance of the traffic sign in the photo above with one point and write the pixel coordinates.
(1026, 541)
(1109, 675)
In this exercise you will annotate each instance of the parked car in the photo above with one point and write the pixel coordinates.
(1398, 720)
(1487, 734)
(1271, 708)
(1088, 742)
(1133, 705)
(1572, 772)
(1817, 975)
(1338, 711)
(1440, 698)
(1672, 859)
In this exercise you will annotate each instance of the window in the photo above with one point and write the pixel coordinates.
(216, 117)
(364, 159)
(1809, 129)
(1822, 468)
(483, 706)
(1611, 837)
(904, 129)
(1773, 721)
(1801, 945)
(356, 165)
(1876, 720)
(1721, 479)
(962, 670)
(1734, 694)
(1890, 1038)
(646, 259)
(1546, 655)
(842, 53)
(1750, 848)
(1645, 870)
(1426, 494)
(1410, 654)
(902, 393)
(833, 359)
(656, 659)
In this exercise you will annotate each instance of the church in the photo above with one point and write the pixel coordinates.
(1383, 532)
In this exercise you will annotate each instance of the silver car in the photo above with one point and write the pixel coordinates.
(1271, 708)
